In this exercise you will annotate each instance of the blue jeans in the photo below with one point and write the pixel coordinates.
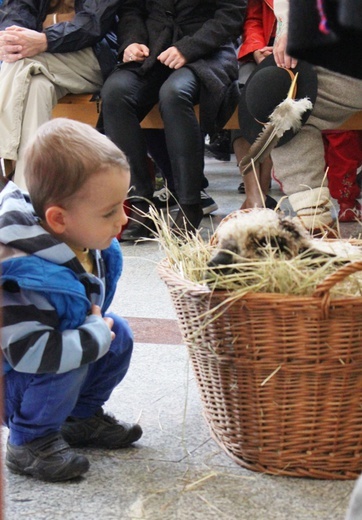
(38, 404)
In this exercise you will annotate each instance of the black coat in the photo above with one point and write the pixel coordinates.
(94, 25)
(204, 31)
(337, 48)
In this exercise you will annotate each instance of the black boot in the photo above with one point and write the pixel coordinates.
(140, 225)
(219, 146)
(187, 219)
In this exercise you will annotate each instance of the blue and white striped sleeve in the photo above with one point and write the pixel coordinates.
(32, 342)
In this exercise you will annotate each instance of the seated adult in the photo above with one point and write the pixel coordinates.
(49, 48)
(299, 165)
(180, 54)
(257, 44)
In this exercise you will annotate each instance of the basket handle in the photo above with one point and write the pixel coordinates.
(336, 277)
(323, 289)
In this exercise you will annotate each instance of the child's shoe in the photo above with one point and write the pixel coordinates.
(100, 431)
(349, 211)
(48, 458)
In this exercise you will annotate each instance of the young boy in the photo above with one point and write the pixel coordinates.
(60, 264)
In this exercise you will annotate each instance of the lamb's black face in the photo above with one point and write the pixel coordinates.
(220, 262)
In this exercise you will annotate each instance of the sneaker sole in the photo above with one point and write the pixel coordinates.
(75, 473)
(209, 209)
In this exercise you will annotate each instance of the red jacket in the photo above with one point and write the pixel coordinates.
(259, 27)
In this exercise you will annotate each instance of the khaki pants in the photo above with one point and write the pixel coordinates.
(30, 88)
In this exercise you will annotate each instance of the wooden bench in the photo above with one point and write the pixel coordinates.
(86, 108)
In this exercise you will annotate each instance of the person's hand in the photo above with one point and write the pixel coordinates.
(17, 43)
(282, 59)
(172, 58)
(261, 54)
(96, 310)
(135, 52)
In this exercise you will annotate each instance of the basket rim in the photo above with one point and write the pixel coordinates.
(170, 277)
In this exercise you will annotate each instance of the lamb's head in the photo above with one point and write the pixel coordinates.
(248, 234)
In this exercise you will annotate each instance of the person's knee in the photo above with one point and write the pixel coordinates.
(115, 91)
(175, 94)
(123, 341)
(43, 89)
(169, 94)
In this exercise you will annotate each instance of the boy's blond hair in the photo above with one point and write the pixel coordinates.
(63, 155)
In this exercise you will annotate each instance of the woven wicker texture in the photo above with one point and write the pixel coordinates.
(280, 377)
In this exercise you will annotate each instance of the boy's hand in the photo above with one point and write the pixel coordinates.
(97, 311)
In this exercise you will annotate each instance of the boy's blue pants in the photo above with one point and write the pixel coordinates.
(38, 404)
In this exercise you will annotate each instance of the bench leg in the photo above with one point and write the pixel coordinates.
(8, 167)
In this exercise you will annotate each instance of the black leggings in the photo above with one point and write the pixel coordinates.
(128, 96)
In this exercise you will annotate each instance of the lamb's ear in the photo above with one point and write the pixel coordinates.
(220, 259)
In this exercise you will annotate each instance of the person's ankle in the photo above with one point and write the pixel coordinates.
(188, 218)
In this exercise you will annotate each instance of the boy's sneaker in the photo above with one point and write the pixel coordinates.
(48, 458)
(164, 199)
(208, 204)
(100, 431)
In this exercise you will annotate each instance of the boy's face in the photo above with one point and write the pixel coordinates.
(96, 213)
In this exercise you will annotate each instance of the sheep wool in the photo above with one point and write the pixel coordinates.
(248, 233)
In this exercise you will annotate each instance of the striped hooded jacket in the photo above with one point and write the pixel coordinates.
(47, 295)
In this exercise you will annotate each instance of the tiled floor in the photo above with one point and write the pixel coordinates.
(176, 471)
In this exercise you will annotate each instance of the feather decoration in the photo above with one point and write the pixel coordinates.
(286, 116)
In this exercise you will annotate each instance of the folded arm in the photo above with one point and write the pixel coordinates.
(92, 21)
(32, 341)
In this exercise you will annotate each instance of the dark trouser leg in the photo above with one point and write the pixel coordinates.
(185, 144)
(126, 98)
(156, 145)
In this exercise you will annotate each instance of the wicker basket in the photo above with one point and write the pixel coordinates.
(280, 376)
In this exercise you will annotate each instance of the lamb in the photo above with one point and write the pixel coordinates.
(248, 234)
